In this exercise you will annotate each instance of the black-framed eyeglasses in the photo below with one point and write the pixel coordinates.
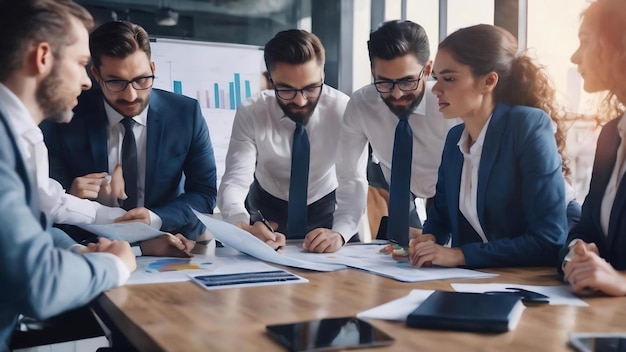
(404, 84)
(119, 85)
(310, 92)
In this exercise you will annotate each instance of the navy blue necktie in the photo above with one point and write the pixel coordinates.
(297, 223)
(400, 188)
(129, 164)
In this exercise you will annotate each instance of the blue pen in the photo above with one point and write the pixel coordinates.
(262, 219)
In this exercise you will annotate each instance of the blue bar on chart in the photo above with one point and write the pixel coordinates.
(216, 89)
(247, 84)
(231, 90)
(178, 87)
(237, 90)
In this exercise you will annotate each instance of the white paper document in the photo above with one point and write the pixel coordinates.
(132, 231)
(241, 240)
(559, 295)
(151, 270)
(397, 309)
(368, 257)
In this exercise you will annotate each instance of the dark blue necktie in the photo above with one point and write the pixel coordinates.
(400, 188)
(129, 164)
(297, 211)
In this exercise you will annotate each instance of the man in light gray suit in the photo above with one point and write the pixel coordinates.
(44, 46)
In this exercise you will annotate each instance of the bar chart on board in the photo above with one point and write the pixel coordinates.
(219, 76)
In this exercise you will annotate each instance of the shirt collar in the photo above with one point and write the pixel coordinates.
(115, 117)
(465, 139)
(16, 113)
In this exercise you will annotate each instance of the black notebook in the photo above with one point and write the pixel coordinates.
(465, 311)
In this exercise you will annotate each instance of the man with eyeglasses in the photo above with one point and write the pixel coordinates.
(280, 165)
(398, 116)
(168, 138)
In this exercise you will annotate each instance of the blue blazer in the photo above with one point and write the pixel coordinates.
(178, 148)
(520, 196)
(613, 246)
(40, 278)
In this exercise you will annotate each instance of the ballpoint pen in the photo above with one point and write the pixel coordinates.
(261, 218)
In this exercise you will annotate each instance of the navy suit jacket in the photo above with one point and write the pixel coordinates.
(178, 143)
(520, 196)
(611, 247)
(39, 277)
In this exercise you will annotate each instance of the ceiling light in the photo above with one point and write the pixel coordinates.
(166, 16)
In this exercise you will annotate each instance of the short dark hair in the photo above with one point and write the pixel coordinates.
(398, 38)
(35, 21)
(118, 39)
(295, 47)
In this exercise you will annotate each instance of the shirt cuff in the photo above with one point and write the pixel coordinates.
(136, 251)
(155, 220)
(123, 272)
(76, 248)
(346, 231)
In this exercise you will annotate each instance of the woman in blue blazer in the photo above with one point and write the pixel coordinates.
(598, 244)
(500, 193)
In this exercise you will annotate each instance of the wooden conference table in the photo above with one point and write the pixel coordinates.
(185, 317)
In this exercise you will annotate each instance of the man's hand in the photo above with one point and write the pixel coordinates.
(137, 214)
(111, 192)
(587, 270)
(424, 252)
(121, 249)
(88, 186)
(167, 245)
(323, 240)
(275, 240)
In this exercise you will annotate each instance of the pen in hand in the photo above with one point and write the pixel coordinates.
(262, 219)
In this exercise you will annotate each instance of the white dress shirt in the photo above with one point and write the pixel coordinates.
(59, 206)
(53, 200)
(115, 133)
(260, 145)
(368, 119)
(469, 177)
(616, 177)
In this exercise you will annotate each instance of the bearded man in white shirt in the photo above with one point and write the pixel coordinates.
(295, 124)
(400, 63)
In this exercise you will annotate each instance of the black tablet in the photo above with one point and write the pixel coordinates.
(328, 335)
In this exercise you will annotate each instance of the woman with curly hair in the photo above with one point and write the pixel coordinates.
(500, 193)
(596, 258)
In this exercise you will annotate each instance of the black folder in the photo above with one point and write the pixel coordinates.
(463, 311)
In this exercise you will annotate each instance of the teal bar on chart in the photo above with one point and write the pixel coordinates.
(237, 90)
(231, 90)
(216, 88)
(178, 87)
(248, 91)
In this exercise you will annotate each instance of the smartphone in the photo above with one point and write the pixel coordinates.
(330, 334)
(598, 342)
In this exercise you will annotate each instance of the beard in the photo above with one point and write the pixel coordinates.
(54, 105)
(301, 116)
(142, 103)
(403, 111)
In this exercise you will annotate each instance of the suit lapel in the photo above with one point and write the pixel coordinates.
(606, 156)
(155, 131)
(97, 134)
(454, 186)
(491, 148)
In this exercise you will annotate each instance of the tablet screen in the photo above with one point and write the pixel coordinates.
(328, 334)
(599, 343)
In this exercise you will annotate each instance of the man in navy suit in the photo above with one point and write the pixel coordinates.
(169, 138)
(42, 70)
